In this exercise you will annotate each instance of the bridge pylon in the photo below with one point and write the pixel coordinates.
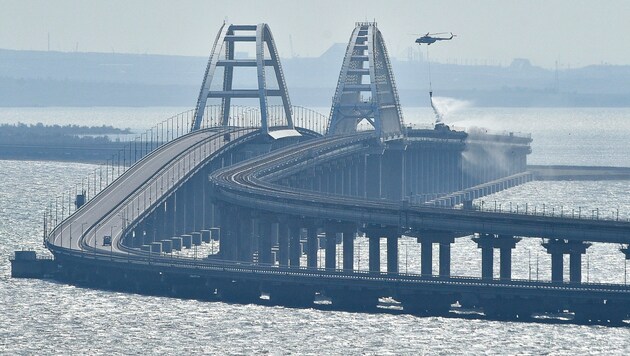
(366, 90)
(222, 63)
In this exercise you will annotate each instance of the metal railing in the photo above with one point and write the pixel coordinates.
(60, 207)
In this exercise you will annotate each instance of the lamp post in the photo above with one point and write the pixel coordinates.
(111, 241)
(529, 260)
(99, 225)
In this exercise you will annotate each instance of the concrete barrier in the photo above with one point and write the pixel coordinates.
(205, 236)
(187, 241)
(177, 243)
(215, 233)
(167, 246)
(156, 247)
(196, 238)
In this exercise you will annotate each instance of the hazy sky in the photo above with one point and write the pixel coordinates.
(572, 32)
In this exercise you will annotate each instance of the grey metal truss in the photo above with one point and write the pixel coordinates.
(381, 106)
(223, 56)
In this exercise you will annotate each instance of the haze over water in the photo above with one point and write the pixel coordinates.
(46, 317)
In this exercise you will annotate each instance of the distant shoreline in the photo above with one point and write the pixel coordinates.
(62, 143)
(42, 79)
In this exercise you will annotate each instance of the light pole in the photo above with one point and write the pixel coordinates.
(95, 240)
(406, 259)
(529, 259)
(82, 226)
(111, 241)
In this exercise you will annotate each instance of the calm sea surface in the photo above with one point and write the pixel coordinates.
(44, 317)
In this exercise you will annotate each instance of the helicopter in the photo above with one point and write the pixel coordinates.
(429, 38)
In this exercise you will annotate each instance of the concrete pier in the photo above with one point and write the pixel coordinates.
(283, 244)
(196, 238)
(311, 247)
(487, 243)
(374, 254)
(392, 253)
(205, 236)
(331, 246)
(167, 246)
(348, 248)
(264, 243)
(557, 248)
(295, 249)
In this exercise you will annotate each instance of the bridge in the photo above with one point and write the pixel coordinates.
(278, 185)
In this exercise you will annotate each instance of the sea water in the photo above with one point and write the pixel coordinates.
(46, 317)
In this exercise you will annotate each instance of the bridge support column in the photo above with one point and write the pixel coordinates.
(198, 194)
(557, 248)
(392, 174)
(374, 233)
(159, 222)
(392, 253)
(372, 176)
(427, 239)
(426, 258)
(311, 247)
(189, 206)
(445, 259)
(359, 169)
(486, 244)
(180, 213)
(169, 212)
(264, 244)
(338, 175)
(505, 244)
(283, 244)
(375, 253)
(324, 180)
(245, 236)
(575, 267)
(295, 249)
(348, 248)
(557, 266)
(211, 215)
(331, 245)
(138, 235)
(228, 244)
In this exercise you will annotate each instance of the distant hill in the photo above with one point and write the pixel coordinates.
(38, 78)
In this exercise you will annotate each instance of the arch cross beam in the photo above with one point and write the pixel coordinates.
(366, 89)
(223, 56)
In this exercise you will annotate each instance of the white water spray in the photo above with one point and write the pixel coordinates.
(443, 107)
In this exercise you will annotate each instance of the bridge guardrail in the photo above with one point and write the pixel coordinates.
(151, 259)
(63, 206)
